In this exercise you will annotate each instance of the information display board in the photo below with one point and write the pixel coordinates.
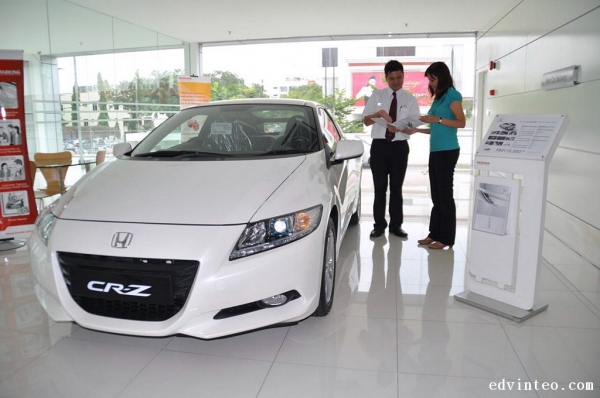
(507, 223)
(521, 136)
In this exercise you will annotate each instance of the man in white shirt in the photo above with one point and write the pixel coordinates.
(389, 149)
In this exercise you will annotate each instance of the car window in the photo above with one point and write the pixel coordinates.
(329, 128)
(235, 130)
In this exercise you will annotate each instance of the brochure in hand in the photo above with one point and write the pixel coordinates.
(406, 123)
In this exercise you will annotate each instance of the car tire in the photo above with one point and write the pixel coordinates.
(328, 272)
(355, 218)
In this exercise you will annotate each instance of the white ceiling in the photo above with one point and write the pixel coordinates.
(226, 21)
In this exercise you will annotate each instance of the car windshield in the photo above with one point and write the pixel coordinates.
(231, 131)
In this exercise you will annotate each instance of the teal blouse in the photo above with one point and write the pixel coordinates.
(443, 138)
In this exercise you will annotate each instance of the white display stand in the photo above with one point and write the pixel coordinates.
(509, 207)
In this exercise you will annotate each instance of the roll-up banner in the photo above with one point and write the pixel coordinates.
(17, 202)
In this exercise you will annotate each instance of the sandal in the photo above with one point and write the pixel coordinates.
(439, 245)
(426, 241)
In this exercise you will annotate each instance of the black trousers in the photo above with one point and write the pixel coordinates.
(442, 224)
(388, 162)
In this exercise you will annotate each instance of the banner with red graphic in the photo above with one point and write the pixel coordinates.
(364, 83)
(17, 202)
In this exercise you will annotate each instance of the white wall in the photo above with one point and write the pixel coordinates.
(533, 38)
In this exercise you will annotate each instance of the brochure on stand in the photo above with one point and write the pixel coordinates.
(491, 208)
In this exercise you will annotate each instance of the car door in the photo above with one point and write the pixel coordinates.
(346, 175)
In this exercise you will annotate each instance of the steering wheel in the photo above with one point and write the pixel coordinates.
(203, 144)
(300, 143)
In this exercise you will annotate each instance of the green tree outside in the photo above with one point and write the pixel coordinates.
(105, 92)
(74, 102)
(227, 85)
(338, 104)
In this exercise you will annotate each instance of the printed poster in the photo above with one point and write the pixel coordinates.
(193, 90)
(17, 202)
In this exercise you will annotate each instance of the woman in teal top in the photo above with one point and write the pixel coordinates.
(444, 117)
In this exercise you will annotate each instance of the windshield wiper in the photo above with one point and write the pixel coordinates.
(180, 154)
(192, 154)
(285, 152)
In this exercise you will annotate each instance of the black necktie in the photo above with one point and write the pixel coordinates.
(388, 134)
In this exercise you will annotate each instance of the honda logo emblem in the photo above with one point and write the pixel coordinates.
(121, 240)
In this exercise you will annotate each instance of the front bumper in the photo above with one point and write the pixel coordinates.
(218, 283)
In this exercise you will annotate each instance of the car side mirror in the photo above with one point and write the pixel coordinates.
(347, 149)
(121, 148)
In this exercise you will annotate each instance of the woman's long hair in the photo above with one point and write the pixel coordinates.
(444, 78)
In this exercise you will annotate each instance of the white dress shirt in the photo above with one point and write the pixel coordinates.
(382, 99)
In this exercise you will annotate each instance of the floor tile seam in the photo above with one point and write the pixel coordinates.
(354, 316)
(522, 326)
(582, 365)
(560, 337)
(515, 352)
(73, 336)
(577, 328)
(133, 378)
(572, 288)
(335, 367)
(29, 360)
(59, 340)
(273, 362)
(217, 356)
(456, 377)
(451, 322)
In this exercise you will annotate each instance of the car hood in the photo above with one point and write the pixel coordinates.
(176, 192)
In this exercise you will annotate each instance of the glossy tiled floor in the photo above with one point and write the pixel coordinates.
(395, 331)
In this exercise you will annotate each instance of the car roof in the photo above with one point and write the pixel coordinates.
(266, 101)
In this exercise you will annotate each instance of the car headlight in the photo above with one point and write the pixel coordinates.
(44, 224)
(277, 231)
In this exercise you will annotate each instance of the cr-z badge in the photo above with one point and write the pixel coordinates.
(131, 290)
(121, 240)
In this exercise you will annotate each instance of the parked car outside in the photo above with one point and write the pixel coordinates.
(93, 146)
(74, 149)
(205, 232)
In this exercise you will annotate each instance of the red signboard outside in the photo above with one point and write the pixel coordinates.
(17, 202)
(363, 83)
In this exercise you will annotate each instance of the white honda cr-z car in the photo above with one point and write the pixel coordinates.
(228, 217)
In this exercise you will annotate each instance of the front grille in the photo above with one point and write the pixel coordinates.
(180, 272)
